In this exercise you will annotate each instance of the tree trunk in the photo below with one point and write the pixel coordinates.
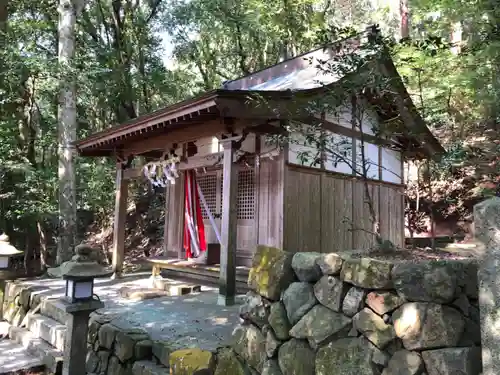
(68, 11)
(456, 37)
(4, 16)
(404, 14)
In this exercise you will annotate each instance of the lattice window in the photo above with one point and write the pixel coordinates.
(208, 185)
(246, 194)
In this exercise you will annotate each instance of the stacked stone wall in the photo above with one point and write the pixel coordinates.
(347, 314)
(118, 348)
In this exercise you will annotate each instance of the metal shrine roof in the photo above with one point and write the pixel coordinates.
(298, 76)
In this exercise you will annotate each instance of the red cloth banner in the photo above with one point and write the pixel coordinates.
(194, 229)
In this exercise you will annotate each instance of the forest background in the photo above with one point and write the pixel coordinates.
(69, 68)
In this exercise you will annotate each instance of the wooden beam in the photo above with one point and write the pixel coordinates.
(180, 135)
(192, 163)
(227, 277)
(121, 195)
(257, 162)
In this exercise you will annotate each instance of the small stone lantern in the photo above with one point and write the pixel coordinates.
(7, 252)
(80, 273)
(78, 301)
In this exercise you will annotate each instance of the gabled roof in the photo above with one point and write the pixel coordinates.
(284, 86)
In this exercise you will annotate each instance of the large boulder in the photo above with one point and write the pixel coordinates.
(434, 281)
(367, 273)
(271, 367)
(278, 320)
(298, 300)
(192, 362)
(453, 361)
(228, 363)
(354, 301)
(471, 335)
(462, 303)
(250, 344)
(107, 335)
(330, 264)
(255, 309)
(295, 357)
(271, 272)
(115, 367)
(384, 302)
(404, 362)
(143, 350)
(348, 356)
(162, 349)
(374, 328)
(272, 344)
(125, 342)
(467, 277)
(305, 266)
(330, 292)
(319, 324)
(422, 325)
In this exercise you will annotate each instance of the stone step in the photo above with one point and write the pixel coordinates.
(14, 359)
(149, 368)
(47, 329)
(54, 309)
(37, 347)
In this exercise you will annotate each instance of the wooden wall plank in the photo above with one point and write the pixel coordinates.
(291, 224)
(330, 230)
(397, 206)
(271, 202)
(320, 207)
(384, 212)
(303, 211)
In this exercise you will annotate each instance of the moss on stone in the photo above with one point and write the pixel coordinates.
(229, 364)
(271, 271)
(192, 362)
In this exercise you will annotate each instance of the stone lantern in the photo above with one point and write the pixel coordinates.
(79, 302)
(79, 274)
(7, 252)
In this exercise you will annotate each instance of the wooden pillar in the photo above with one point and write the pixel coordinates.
(227, 278)
(121, 195)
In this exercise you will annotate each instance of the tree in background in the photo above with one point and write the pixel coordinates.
(120, 73)
(69, 11)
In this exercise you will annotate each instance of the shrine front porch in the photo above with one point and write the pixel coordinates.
(181, 269)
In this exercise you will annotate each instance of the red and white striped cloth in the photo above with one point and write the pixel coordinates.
(194, 229)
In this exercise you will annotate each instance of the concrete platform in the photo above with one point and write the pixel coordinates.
(188, 320)
(14, 357)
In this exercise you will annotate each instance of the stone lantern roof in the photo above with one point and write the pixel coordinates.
(6, 249)
(82, 265)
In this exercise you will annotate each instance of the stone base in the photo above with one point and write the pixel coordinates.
(140, 294)
(175, 288)
(159, 288)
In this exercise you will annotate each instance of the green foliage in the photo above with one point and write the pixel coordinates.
(121, 74)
